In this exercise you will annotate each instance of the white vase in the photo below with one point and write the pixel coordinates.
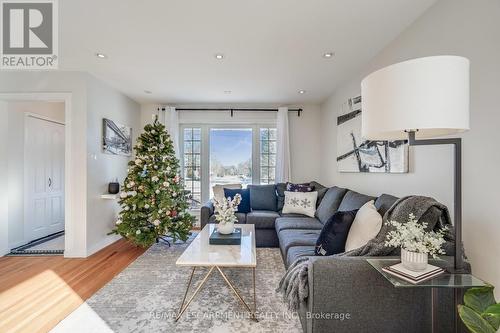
(414, 261)
(225, 228)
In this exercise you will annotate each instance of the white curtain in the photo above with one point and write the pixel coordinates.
(283, 150)
(173, 127)
(170, 118)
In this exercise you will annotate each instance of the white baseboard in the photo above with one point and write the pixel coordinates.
(110, 239)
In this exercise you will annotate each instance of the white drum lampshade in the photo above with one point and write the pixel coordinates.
(429, 94)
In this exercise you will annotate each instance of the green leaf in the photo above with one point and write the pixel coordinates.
(492, 315)
(479, 299)
(473, 320)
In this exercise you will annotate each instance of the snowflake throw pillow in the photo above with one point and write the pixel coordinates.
(300, 203)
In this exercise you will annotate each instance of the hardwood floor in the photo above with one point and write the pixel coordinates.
(36, 293)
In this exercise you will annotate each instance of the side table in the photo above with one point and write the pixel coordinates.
(457, 282)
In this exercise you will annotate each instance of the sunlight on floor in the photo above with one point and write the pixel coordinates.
(26, 306)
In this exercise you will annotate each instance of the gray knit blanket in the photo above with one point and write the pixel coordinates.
(294, 285)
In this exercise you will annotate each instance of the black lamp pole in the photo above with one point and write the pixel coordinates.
(457, 143)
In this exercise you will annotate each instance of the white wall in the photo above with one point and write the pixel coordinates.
(4, 197)
(305, 132)
(16, 125)
(459, 27)
(105, 102)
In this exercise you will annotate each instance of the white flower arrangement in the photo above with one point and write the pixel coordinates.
(412, 237)
(225, 209)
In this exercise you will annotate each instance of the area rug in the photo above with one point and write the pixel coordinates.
(146, 296)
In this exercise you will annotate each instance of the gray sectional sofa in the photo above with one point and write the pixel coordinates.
(338, 287)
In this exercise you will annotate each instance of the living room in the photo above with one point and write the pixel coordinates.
(314, 118)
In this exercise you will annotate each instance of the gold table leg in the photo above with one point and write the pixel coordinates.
(187, 288)
(252, 313)
(195, 292)
(254, 295)
(233, 288)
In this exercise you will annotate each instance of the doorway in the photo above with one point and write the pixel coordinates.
(36, 160)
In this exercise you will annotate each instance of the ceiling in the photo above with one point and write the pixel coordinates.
(272, 49)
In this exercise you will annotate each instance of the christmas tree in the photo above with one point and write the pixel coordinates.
(153, 199)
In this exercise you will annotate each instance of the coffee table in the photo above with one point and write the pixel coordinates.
(215, 257)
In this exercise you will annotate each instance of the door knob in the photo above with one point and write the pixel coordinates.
(50, 182)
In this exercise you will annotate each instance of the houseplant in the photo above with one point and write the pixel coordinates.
(225, 213)
(416, 243)
(480, 312)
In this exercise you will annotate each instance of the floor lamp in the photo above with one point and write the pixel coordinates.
(419, 100)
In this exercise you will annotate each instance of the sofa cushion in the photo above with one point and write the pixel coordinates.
(353, 200)
(330, 203)
(296, 237)
(333, 236)
(280, 193)
(296, 252)
(292, 215)
(242, 217)
(321, 191)
(384, 202)
(263, 197)
(244, 206)
(262, 219)
(283, 223)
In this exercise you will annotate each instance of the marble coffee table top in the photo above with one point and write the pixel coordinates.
(201, 253)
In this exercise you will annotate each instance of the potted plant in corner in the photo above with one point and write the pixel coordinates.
(225, 213)
(480, 312)
(415, 242)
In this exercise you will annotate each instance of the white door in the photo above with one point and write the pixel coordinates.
(44, 178)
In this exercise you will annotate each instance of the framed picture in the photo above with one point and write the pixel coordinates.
(357, 155)
(116, 138)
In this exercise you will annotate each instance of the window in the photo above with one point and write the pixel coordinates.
(230, 156)
(224, 154)
(267, 155)
(192, 164)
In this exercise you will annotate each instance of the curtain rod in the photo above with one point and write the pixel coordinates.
(232, 110)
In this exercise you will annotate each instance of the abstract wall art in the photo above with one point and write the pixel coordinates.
(357, 155)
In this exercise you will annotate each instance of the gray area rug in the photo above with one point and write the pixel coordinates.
(146, 296)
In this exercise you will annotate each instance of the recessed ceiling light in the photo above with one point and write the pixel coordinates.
(302, 91)
(148, 91)
(101, 55)
(219, 56)
(328, 55)
(227, 91)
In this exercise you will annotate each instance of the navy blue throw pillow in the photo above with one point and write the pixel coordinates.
(333, 236)
(291, 187)
(244, 206)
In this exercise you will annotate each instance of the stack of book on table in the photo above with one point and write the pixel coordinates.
(414, 277)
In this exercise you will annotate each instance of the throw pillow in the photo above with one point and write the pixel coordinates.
(244, 206)
(263, 197)
(291, 187)
(219, 189)
(366, 226)
(300, 203)
(332, 238)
